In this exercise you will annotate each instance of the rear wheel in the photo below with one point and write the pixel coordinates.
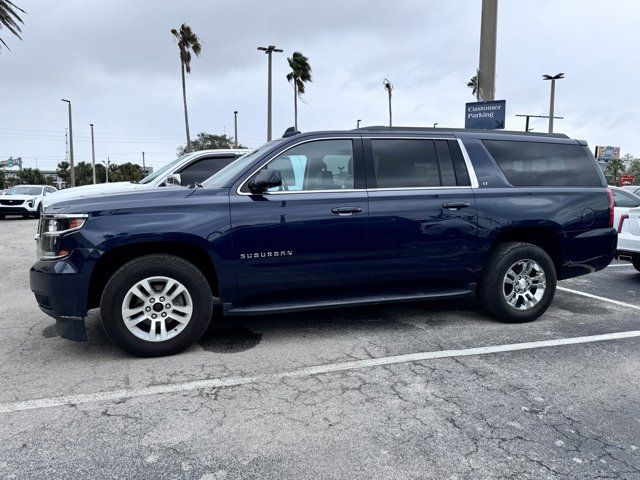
(156, 305)
(518, 282)
(636, 262)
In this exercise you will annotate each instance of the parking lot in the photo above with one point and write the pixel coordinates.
(422, 390)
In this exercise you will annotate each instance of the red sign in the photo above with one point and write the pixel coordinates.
(626, 180)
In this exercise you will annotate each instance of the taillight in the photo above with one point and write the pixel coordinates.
(611, 212)
(623, 217)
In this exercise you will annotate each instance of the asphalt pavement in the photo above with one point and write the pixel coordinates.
(422, 390)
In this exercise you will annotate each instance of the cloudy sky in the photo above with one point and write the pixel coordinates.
(118, 63)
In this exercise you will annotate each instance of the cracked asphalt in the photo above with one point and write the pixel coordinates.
(569, 411)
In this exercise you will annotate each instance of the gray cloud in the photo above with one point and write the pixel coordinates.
(116, 60)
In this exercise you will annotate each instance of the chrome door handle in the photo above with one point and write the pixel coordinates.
(455, 205)
(344, 211)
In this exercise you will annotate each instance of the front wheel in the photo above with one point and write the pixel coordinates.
(156, 305)
(518, 282)
(38, 212)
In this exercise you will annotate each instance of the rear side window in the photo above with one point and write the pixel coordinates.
(418, 163)
(625, 199)
(544, 164)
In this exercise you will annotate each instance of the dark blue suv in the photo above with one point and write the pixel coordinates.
(331, 219)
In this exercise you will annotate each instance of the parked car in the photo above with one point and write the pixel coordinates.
(635, 189)
(629, 236)
(329, 220)
(623, 200)
(185, 170)
(24, 200)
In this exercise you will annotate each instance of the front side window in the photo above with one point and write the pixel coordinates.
(316, 165)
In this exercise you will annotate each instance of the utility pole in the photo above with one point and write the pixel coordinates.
(488, 36)
(553, 79)
(235, 129)
(526, 123)
(144, 168)
(268, 51)
(71, 162)
(93, 155)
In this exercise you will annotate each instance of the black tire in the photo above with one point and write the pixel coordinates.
(2, 217)
(491, 286)
(636, 262)
(38, 212)
(148, 266)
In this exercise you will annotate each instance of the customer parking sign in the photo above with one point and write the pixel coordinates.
(485, 115)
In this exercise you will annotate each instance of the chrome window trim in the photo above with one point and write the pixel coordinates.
(473, 179)
(298, 191)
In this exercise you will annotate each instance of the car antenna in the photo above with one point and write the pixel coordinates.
(290, 132)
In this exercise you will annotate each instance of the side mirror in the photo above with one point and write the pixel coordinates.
(265, 180)
(173, 180)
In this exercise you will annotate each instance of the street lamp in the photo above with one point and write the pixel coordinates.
(358, 123)
(71, 162)
(93, 155)
(235, 128)
(435, 124)
(106, 169)
(268, 51)
(553, 79)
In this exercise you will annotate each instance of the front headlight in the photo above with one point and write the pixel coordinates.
(51, 229)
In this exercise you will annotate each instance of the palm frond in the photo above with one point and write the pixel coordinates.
(10, 19)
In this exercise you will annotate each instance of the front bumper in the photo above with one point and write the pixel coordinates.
(61, 290)
(19, 210)
(628, 243)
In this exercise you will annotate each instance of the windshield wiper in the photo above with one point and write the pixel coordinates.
(196, 185)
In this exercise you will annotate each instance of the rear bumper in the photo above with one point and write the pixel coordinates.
(588, 252)
(61, 291)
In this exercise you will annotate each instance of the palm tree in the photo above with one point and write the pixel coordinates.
(299, 75)
(473, 84)
(187, 42)
(388, 86)
(9, 18)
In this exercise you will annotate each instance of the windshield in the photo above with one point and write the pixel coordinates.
(25, 191)
(163, 170)
(229, 173)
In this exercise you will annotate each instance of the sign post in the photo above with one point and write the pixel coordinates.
(485, 115)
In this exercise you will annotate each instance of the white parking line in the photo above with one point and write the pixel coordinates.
(118, 395)
(602, 299)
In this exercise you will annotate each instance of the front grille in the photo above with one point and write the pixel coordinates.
(11, 202)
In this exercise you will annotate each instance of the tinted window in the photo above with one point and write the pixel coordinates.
(460, 168)
(317, 165)
(544, 164)
(405, 163)
(624, 199)
(200, 170)
(446, 163)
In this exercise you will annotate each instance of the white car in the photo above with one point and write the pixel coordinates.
(24, 200)
(629, 237)
(627, 221)
(185, 170)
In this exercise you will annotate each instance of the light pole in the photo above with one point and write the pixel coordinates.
(235, 128)
(144, 167)
(93, 155)
(435, 124)
(268, 51)
(106, 169)
(553, 79)
(526, 122)
(358, 123)
(388, 86)
(488, 36)
(71, 162)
